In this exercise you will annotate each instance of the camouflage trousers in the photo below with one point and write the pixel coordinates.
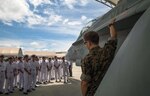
(91, 90)
(92, 87)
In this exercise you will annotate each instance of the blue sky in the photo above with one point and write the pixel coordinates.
(45, 25)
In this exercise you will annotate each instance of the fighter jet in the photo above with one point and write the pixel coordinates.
(128, 74)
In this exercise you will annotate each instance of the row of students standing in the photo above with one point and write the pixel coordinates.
(24, 68)
(53, 69)
(8, 74)
(31, 71)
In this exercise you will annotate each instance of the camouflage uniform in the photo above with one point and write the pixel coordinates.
(95, 65)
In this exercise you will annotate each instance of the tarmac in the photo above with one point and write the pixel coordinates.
(56, 89)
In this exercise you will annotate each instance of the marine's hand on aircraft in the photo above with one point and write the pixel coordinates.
(112, 29)
(112, 22)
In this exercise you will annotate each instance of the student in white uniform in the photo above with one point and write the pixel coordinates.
(2, 73)
(57, 69)
(30, 77)
(53, 71)
(61, 67)
(27, 73)
(46, 60)
(15, 64)
(65, 66)
(50, 65)
(38, 71)
(20, 70)
(9, 76)
(33, 71)
(44, 68)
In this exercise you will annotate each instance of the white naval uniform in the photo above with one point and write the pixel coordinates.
(44, 65)
(15, 64)
(50, 66)
(47, 70)
(57, 70)
(65, 66)
(39, 71)
(30, 77)
(53, 71)
(61, 68)
(33, 73)
(10, 76)
(2, 75)
(26, 76)
(21, 78)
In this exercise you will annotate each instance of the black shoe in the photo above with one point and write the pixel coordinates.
(21, 89)
(52, 78)
(11, 92)
(7, 93)
(36, 86)
(28, 90)
(1, 92)
(25, 93)
(33, 89)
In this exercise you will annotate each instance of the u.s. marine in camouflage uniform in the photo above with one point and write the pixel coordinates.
(97, 61)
